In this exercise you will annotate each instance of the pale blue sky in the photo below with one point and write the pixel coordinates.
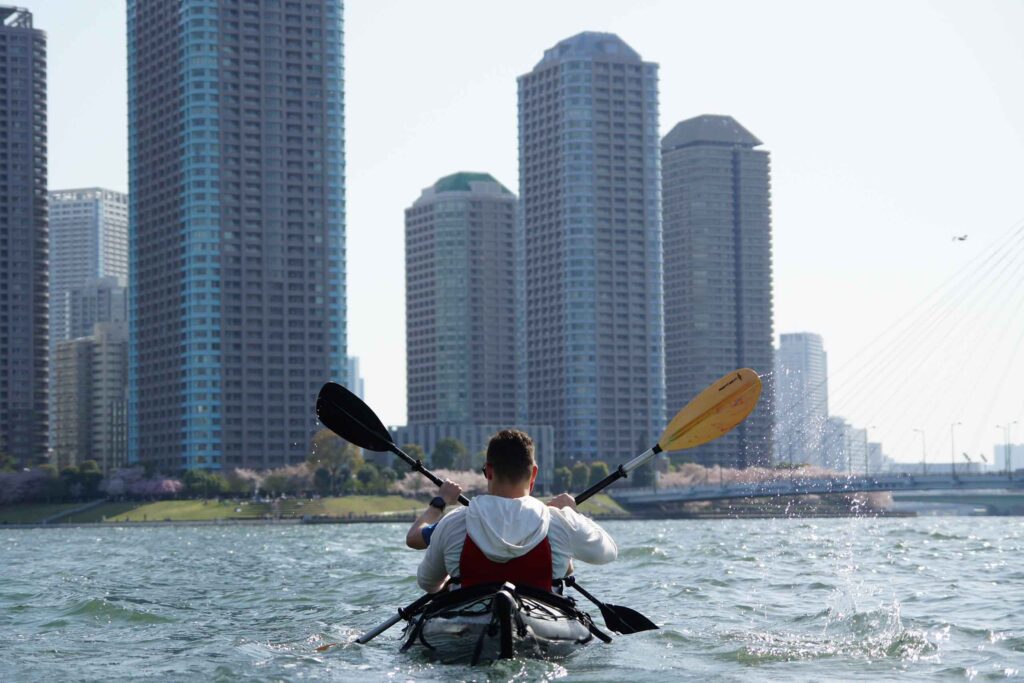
(892, 126)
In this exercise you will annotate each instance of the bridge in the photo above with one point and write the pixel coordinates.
(644, 496)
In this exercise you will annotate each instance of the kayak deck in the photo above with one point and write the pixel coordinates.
(500, 621)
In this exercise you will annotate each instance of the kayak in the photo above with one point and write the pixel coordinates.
(500, 621)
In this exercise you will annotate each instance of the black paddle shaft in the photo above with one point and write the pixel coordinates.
(621, 472)
(406, 613)
(418, 466)
(346, 415)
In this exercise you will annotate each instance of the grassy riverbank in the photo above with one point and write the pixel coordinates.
(211, 510)
(33, 513)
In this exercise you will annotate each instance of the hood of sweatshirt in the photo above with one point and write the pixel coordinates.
(507, 528)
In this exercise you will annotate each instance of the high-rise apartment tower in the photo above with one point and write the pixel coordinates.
(24, 238)
(88, 240)
(590, 238)
(237, 252)
(801, 398)
(91, 399)
(718, 273)
(460, 302)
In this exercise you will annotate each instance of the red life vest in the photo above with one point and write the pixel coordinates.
(531, 569)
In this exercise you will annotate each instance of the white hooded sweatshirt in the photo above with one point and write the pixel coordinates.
(506, 528)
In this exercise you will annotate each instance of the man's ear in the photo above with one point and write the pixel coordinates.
(533, 478)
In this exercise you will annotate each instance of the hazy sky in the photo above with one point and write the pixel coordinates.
(892, 127)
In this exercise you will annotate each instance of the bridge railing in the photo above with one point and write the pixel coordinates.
(823, 485)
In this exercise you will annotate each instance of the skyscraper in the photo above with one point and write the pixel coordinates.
(801, 398)
(718, 273)
(88, 240)
(589, 178)
(23, 238)
(460, 302)
(237, 252)
(91, 398)
(91, 316)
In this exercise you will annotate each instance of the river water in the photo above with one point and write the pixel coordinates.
(837, 599)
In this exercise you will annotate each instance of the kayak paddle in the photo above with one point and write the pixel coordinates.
(713, 412)
(403, 613)
(346, 415)
(624, 620)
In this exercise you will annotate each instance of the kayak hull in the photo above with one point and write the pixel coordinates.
(499, 621)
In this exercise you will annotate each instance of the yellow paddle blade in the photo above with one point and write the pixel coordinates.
(714, 411)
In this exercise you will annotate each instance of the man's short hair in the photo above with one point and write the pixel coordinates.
(510, 455)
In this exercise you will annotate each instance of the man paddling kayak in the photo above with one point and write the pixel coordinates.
(507, 534)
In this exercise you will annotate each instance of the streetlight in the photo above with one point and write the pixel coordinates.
(1009, 447)
(1006, 445)
(924, 457)
(952, 449)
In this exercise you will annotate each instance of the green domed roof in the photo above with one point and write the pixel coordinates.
(460, 182)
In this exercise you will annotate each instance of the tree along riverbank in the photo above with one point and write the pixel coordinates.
(343, 508)
(369, 509)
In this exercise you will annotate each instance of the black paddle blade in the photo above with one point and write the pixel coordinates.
(625, 620)
(346, 415)
(617, 618)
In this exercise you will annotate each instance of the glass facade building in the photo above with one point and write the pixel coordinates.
(460, 302)
(24, 238)
(801, 398)
(237, 283)
(590, 239)
(88, 240)
(718, 274)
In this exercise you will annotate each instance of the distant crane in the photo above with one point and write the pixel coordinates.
(959, 238)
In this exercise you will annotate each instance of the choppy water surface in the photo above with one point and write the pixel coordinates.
(841, 599)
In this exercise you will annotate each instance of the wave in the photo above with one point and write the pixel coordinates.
(643, 552)
(103, 609)
(869, 635)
